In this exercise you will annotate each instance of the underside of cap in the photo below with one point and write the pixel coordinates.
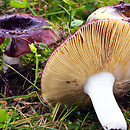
(101, 46)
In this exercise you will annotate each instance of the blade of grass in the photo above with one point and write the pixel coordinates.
(32, 121)
(58, 12)
(85, 118)
(23, 77)
(22, 96)
(64, 9)
(67, 108)
(48, 128)
(41, 101)
(55, 110)
(67, 114)
(31, 10)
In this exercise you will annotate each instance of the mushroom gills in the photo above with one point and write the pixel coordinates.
(100, 89)
(88, 60)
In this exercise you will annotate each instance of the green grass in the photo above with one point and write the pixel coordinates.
(21, 100)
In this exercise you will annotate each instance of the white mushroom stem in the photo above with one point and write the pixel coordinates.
(11, 61)
(100, 89)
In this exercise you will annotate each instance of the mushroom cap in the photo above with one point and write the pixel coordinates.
(101, 46)
(119, 11)
(24, 29)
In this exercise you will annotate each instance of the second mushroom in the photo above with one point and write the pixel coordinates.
(92, 65)
(25, 29)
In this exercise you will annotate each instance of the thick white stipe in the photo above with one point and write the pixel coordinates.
(100, 89)
(12, 61)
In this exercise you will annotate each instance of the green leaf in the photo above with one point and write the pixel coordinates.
(3, 115)
(18, 4)
(7, 40)
(76, 23)
(42, 44)
(33, 3)
(5, 44)
(1, 125)
(33, 48)
(70, 3)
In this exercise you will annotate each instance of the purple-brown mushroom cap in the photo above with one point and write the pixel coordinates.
(24, 29)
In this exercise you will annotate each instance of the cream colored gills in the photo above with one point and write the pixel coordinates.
(101, 47)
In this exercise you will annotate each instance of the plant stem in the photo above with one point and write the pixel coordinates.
(70, 19)
(5, 3)
(36, 70)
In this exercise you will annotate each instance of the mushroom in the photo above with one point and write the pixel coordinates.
(93, 63)
(119, 11)
(24, 29)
